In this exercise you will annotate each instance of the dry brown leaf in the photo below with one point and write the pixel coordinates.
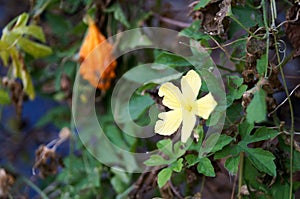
(98, 61)
(292, 28)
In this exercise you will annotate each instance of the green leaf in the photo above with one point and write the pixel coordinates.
(165, 79)
(201, 4)
(165, 146)
(22, 20)
(40, 6)
(27, 82)
(257, 109)
(261, 134)
(163, 177)
(179, 149)
(164, 143)
(233, 113)
(228, 150)
(138, 21)
(139, 104)
(35, 49)
(171, 60)
(32, 30)
(118, 14)
(16, 63)
(263, 160)
(154, 74)
(222, 142)
(117, 184)
(3, 45)
(261, 64)
(234, 82)
(155, 160)
(195, 146)
(247, 16)
(193, 32)
(4, 97)
(20, 71)
(191, 159)
(10, 38)
(116, 136)
(296, 162)
(245, 128)
(205, 167)
(94, 177)
(177, 166)
(215, 142)
(235, 89)
(55, 116)
(251, 174)
(208, 144)
(58, 23)
(280, 190)
(239, 93)
(4, 55)
(120, 180)
(137, 38)
(232, 164)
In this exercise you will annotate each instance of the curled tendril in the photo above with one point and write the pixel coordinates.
(281, 42)
(281, 49)
(271, 70)
(289, 21)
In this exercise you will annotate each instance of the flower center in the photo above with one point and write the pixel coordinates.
(188, 107)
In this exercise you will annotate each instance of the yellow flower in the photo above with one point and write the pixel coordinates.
(184, 106)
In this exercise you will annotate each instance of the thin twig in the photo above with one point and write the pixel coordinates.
(286, 99)
(175, 190)
(292, 77)
(288, 133)
(227, 44)
(241, 174)
(202, 184)
(233, 188)
(180, 24)
(226, 69)
(225, 51)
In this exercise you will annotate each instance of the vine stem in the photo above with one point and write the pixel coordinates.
(291, 93)
(240, 24)
(263, 5)
(36, 188)
(202, 184)
(292, 119)
(233, 188)
(241, 174)
(274, 15)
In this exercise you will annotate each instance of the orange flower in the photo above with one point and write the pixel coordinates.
(98, 61)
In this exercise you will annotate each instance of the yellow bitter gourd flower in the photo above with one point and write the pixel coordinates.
(184, 106)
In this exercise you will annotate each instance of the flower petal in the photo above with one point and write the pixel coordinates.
(169, 123)
(172, 95)
(188, 124)
(190, 85)
(205, 106)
